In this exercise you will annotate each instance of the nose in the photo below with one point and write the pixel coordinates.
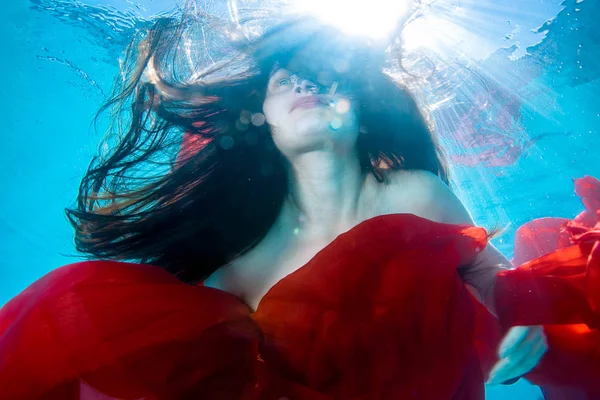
(304, 86)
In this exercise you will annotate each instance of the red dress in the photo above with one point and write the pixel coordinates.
(380, 313)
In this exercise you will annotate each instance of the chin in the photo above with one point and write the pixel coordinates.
(320, 139)
(319, 121)
(312, 130)
(313, 126)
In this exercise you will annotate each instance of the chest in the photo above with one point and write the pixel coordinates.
(289, 246)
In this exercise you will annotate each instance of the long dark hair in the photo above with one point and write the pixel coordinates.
(141, 200)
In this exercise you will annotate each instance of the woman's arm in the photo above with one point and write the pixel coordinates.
(482, 274)
(424, 194)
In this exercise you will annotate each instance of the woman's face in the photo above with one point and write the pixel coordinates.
(305, 117)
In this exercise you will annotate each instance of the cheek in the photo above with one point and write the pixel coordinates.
(345, 113)
(352, 118)
(274, 111)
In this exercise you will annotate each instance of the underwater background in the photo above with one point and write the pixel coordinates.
(516, 105)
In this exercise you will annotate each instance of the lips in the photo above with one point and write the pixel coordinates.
(308, 102)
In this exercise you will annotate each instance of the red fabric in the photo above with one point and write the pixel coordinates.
(133, 331)
(560, 291)
(539, 237)
(559, 283)
(380, 313)
(588, 188)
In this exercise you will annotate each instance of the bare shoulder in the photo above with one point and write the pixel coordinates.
(423, 181)
(424, 194)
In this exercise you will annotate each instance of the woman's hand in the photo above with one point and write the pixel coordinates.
(520, 351)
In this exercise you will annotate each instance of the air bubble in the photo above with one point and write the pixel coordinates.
(226, 142)
(336, 123)
(240, 126)
(258, 119)
(245, 117)
(342, 106)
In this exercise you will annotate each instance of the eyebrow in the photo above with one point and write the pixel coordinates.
(276, 68)
(279, 72)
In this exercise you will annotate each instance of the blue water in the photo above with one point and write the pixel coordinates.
(59, 59)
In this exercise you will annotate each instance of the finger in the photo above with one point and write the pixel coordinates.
(506, 372)
(507, 368)
(524, 349)
(521, 368)
(498, 370)
(514, 336)
(538, 351)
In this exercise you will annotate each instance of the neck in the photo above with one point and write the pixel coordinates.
(325, 188)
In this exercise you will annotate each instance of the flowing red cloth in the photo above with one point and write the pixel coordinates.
(352, 323)
(380, 313)
(558, 284)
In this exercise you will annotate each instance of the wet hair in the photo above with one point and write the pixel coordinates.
(193, 211)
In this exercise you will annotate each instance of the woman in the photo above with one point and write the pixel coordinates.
(297, 140)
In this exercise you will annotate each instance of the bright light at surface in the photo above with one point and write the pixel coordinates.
(373, 18)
